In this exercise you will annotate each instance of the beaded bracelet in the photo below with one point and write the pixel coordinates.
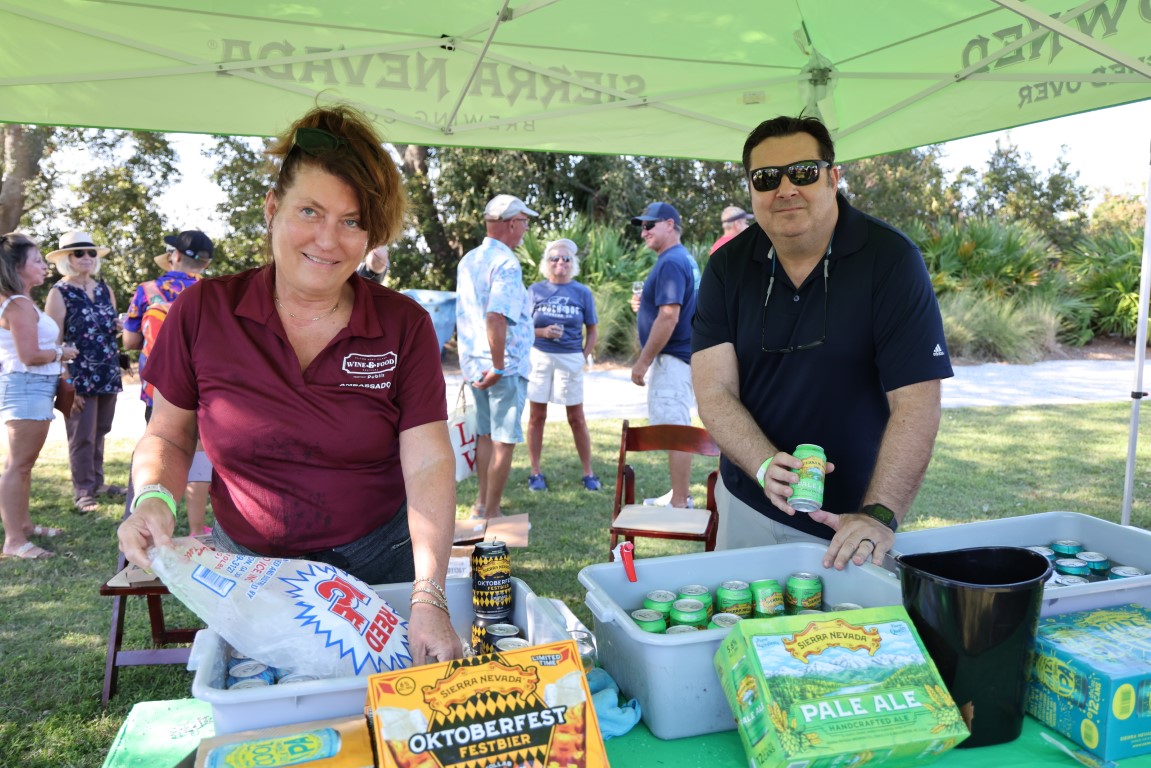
(436, 603)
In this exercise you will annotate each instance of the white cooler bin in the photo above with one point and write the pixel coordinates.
(1124, 545)
(673, 676)
(318, 699)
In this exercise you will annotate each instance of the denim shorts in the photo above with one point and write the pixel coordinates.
(27, 396)
(499, 409)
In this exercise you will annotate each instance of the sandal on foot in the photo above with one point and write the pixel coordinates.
(479, 512)
(86, 504)
(29, 551)
(47, 531)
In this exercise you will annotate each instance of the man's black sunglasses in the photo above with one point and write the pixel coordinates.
(801, 174)
(649, 225)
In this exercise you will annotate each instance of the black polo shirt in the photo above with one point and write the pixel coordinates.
(883, 331)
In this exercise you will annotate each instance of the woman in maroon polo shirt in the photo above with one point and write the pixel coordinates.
(318, 396)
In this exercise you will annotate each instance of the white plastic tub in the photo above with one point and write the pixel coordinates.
(673, 676)
(318, 699)
(1125, 545)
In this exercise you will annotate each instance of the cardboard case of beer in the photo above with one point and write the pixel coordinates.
(1091, 679)
(836, 689)
(530, 707)
(337, 743)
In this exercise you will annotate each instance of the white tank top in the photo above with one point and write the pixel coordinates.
(47, 331)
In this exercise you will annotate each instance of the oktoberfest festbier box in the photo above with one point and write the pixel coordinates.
(1091, 679)
(836, 689)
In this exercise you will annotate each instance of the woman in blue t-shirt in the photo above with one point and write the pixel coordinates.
(562, 308)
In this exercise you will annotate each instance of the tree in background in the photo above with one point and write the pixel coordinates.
(1013, 189)
(22, 151)
(904, 189)
(245, 176)
(1119, 214)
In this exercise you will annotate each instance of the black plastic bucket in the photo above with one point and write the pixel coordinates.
(976, 611)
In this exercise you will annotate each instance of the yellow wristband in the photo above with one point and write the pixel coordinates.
(156, 495)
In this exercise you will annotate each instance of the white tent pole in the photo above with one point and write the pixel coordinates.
(1137, 392)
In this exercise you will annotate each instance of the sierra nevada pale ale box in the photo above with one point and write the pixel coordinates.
(843, 688)
(527, 707)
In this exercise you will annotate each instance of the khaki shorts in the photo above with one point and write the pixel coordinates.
(742, 526)
(556, 377)
(669, 394)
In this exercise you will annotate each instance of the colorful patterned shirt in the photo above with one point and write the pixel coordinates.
(489, 279)
(171, 284)
(91, 326)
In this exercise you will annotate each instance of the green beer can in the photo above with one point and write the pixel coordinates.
(1066, 547)
(698, 592)
(724, 621)
(804, 592)
(807, 494)
(1097, 562)
(660, 600)
(649, 620)
(680, 629)
(734, 596)
(689, 612)
(767, 598)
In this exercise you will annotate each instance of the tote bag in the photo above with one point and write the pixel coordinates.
(462, 431)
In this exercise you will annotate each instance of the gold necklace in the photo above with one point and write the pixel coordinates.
(308, 319)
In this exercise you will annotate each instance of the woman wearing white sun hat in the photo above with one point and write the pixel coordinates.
(85, 309)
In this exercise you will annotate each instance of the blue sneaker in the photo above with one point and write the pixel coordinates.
(592, 483)
(537, 482)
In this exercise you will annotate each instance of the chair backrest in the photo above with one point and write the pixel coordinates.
(659, 437)
(666, 437)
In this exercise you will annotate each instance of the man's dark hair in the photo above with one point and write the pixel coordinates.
(789, 126)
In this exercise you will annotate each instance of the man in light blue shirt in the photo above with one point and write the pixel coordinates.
(494, 331)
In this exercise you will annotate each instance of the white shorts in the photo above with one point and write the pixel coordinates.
(556, 377)
(670, 397)
(743, 526)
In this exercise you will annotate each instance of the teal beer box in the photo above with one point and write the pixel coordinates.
(833, 688)
(1091, 679)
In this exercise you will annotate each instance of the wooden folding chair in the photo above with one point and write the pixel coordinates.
(630, 520)
(153, 592)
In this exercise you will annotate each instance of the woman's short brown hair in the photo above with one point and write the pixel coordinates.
(14, 250)
(351, 151)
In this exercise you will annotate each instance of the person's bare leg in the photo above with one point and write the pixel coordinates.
(483, 462)
(578, 423)
(501, 466)
(537, 418)
(25, 439)
(679, 466)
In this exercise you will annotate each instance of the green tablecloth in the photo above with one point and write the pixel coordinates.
(162, 734)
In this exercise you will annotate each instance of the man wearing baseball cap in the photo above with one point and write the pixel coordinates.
(664, 310)
(734, 221)
(494, 333)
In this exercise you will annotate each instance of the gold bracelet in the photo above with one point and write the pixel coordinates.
(437, 604)
(431, 592)
(437, 587)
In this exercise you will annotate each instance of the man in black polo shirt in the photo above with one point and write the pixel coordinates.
(779, 358)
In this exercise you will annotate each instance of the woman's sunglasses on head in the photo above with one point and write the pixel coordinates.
(801, 174)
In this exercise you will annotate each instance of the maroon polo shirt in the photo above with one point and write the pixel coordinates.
(303, 461)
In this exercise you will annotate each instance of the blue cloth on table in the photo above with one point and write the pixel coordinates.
(614, 720)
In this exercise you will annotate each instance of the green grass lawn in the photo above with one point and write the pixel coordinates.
(989, 463)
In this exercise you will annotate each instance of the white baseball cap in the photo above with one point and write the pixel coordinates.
(506, 206)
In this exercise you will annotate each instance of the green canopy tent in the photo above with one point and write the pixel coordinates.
(679, 79)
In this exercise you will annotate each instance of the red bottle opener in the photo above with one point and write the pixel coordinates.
(627, 555)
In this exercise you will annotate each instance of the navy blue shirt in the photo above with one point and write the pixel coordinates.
(671, 281)
(883, 331)
(568, 304)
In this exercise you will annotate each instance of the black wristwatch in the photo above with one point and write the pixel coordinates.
(882, 514)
